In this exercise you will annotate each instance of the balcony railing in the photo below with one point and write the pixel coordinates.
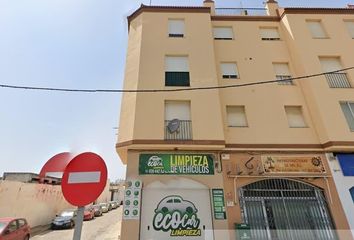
(240, 11)
(284, 80)
(183, 132)
(338, 80)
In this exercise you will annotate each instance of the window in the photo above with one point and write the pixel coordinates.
(236, 116)
(337, 79)
(269, 34)
(177, 200)
(350, 26)
(229, 70)
(176, 28)
(178, 124)
(352, 193)
(223, 33)
(12, 226)
(176, 71)
(295, 117)
(316, 29)
(21, 223)
(282, 73)
(348, 110)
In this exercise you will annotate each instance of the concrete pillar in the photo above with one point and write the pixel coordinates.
(211, 4)
(272, 6)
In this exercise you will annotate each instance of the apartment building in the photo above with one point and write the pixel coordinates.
(231, 130)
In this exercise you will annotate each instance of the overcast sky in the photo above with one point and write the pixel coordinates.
(70, 44)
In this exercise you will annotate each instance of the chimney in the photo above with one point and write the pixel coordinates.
(211, 5)
(272, 7)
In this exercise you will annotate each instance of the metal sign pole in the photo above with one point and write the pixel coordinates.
(78, 223)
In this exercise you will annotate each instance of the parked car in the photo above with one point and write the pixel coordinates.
(89, 213)
(114, 204)
(104, 207)
(65, 219)
(14, 229)
(98, 210)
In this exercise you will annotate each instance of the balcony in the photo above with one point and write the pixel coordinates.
(240, 11)
(180, 131)
(338, 80)
(284, 80)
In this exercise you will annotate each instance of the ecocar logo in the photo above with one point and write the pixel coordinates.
(155, 161)
(177, 215)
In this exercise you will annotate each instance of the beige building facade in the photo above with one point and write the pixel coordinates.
(228, 126)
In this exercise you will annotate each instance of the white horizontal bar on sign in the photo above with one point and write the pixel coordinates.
(54, 174)
(84, 177)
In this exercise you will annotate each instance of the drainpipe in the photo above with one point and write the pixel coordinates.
(272, 7)
(211, 5)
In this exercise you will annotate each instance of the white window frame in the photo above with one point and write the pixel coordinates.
(176, 28)
(229, 70)
(315, 24)
(290, 122)
(217, 32)
(244, 120)
(269, 36)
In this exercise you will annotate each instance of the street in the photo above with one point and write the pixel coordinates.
(106, 227)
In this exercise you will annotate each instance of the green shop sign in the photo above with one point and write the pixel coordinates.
(219, 204)
(178, 164)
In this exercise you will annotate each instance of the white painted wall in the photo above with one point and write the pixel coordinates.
(343, 184)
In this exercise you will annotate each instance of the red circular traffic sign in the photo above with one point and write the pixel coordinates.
(56, 165)
(84, 179)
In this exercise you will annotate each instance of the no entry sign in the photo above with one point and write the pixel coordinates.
(55, 166)
(84, 179)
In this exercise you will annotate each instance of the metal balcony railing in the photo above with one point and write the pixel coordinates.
(338, 80)
(184, 131)
(240, 11)
(284, 80)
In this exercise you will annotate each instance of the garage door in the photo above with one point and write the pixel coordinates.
(178, 213)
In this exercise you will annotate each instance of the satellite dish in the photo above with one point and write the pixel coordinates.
(173, 125)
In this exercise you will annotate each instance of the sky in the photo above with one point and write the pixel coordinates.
(71, 44)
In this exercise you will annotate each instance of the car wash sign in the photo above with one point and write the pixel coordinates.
(177, 216)
(177, 164)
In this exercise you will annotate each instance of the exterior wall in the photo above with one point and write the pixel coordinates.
(105, 195)
(343, 184)
(323, 102)
(142, 115)
(38, 203)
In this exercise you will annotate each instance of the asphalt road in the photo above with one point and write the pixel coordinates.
(106, 227)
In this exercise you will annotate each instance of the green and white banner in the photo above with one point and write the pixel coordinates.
(177, 164)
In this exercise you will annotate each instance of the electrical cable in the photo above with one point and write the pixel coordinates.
(169, 90)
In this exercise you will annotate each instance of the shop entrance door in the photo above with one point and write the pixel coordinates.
(279, 209)
(176, 211)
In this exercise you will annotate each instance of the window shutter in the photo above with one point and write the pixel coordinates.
(330, 64)
(176, 64)
(295, 116)
(223, 33)
(177, 109)
(348, 110)
(281, 69)
(176, 27)
(229, 69)
(236, 116)
(269, 33)
(350, 26)
(316, 29)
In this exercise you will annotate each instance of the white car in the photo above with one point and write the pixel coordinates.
(173, 203)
